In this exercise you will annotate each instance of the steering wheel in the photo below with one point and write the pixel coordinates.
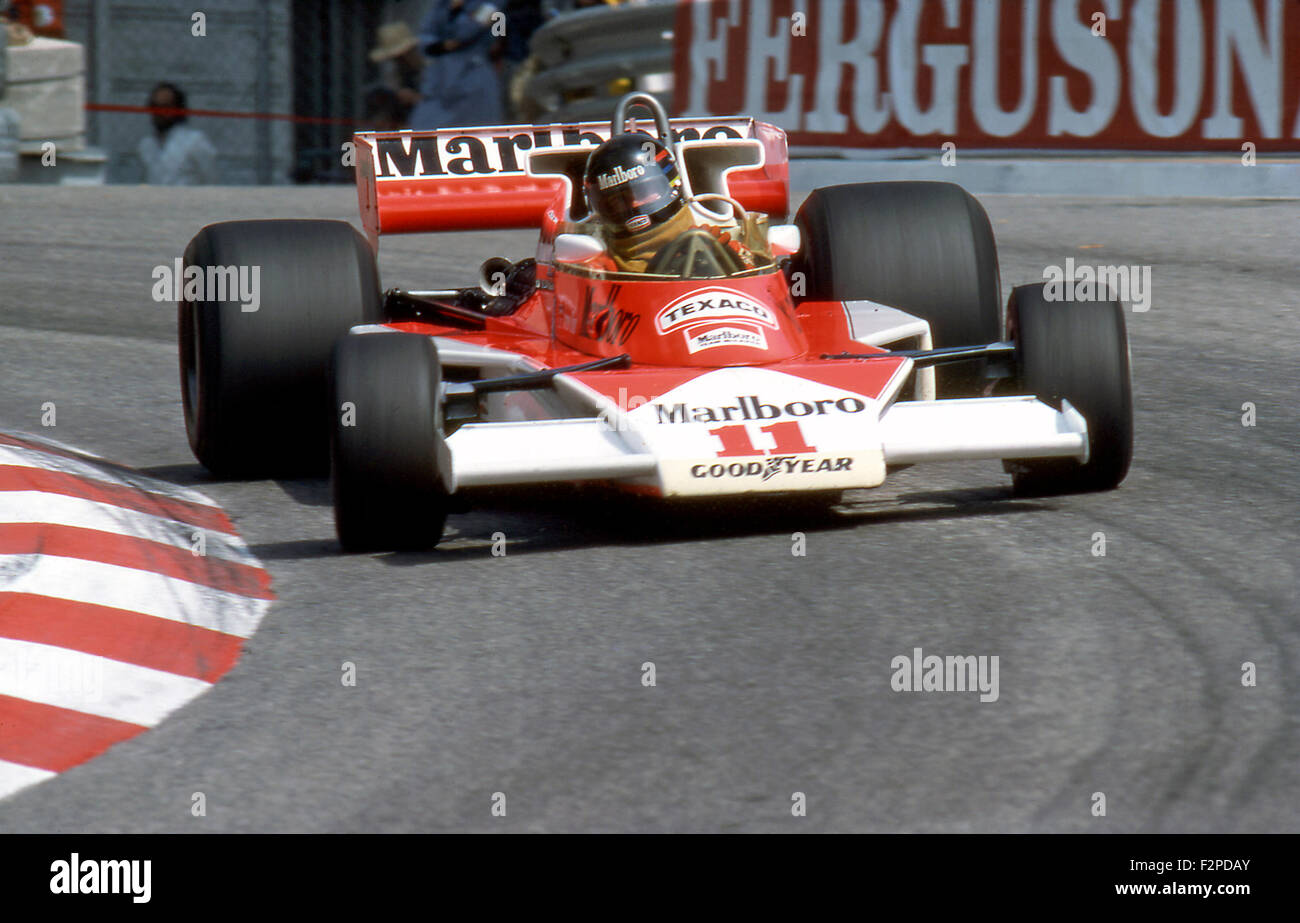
(737, 210)
(696, 254)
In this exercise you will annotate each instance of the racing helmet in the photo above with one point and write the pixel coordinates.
(632, 183)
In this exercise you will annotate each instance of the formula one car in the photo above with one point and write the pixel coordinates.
(866, 336)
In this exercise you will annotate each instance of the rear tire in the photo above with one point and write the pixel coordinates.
(387, 446)
(254, 384)
(1076, 351)
(925, 248)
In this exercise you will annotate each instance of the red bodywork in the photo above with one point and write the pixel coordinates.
(673, 329)
(662, 360)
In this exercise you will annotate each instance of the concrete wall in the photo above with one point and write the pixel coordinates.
(8, 129)
(46, 87)
(243, 63)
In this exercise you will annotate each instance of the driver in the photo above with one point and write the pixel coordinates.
(634, 189)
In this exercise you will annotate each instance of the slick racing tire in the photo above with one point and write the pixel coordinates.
(1075, 351)
(387, 443)
(924, 248)
(254, 383)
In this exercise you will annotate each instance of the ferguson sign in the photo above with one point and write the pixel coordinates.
(1117, 74)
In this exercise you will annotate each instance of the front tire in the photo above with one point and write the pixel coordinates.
(925, 248)
(387, 447)
(1075, 351)
(254, 383)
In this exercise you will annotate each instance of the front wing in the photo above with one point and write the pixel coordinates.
(744, 430)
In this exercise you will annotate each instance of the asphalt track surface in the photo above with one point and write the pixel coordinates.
(521, 674)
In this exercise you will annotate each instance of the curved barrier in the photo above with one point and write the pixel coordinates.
(122, 597)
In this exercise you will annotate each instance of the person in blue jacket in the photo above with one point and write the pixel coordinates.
(460, 85)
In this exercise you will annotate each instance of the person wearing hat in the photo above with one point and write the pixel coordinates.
(399, 49)
(460, 85)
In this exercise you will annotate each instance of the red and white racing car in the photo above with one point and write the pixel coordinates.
(868, 334)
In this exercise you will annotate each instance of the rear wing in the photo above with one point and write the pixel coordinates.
(455, 179)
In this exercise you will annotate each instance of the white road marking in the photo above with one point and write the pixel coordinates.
(136, 590)
(15, 776)
(37, 506)
(92, 684)
(31, 458)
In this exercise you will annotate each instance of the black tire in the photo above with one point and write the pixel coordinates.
(924, 248)
(386, 475)
(1076, 351)
(254, 384)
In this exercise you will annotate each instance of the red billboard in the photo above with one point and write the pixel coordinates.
(1164, 75)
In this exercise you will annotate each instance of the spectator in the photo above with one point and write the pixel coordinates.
(175, 154)
(383, 111)
(524, 18)
(399, 49)
(460, 86)
(560, 7)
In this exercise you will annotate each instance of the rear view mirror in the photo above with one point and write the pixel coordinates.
(577, 248)
(784, 239)
(492, 275)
